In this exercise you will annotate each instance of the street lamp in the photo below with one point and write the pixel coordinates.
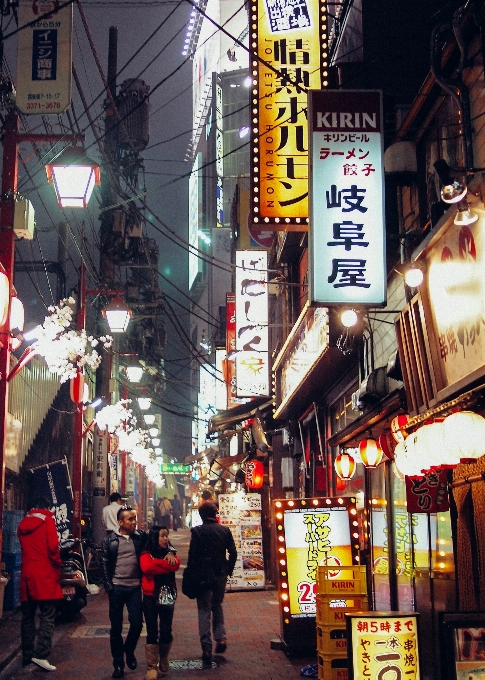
(117, 315)
(74, 176)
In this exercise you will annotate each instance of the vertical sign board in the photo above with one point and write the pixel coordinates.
(383, 645)
(52, 482)
(242, 514)
(194, 199)
(290, 41)
(346, 233)
(252, 369)
(310, 532)
(100, 454)
(44, 57)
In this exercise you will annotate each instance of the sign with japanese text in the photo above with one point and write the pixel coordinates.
(175, 467)
(44, 57)
(428, 494)
(468, 647)
(290, 39)
(52, 482)
(346, 232)
(252, 362)
(100, 461)
(206, 402)
(383, 645)
(242, 514)
(310, 535)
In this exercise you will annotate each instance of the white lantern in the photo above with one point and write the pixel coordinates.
(430, 441)
(464, 435)
(407, 457)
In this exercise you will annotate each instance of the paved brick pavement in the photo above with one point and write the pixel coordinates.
(81, 648)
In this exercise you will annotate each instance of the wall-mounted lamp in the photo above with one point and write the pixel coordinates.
(453, 189)
(414, 275)
(464, 214)
(349, 318)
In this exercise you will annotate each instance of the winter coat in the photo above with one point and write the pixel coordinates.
(209, 543)
(109, 554)
(41, 560)
(153, 567)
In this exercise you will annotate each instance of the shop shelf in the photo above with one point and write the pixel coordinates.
(328, 615)
(347, 581)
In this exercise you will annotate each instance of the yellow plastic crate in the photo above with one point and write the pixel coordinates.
(347, 581)
(328, 615)
(332, 669)
(331, 641)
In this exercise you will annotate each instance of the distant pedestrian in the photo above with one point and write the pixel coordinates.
(39, 582)
(109, 517)
(158, 564)
(165, 512)
(176, 512)
(120, 561)
(210, 544)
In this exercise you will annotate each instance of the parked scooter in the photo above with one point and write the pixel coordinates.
(73, 582)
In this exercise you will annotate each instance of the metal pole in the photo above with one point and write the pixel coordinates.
(7, 203)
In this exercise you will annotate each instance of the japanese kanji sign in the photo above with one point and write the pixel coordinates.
(346, 231)
(252, 369)
(44, 57)
(383, 645)
(51, 481)
(290, 39)
(175, 467)
(428, 494)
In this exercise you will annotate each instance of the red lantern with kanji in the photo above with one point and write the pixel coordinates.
(254, 474)
(345, 466)
(370, 452)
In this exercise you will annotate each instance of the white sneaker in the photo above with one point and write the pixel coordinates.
(43, 663)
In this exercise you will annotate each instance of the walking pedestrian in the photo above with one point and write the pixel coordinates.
(39, 582)
(210, 543)
(166, 512)
(159, 563)
(176, 512)
(109, 518)
(120, 561)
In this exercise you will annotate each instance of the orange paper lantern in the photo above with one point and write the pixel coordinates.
(370, 452)
(254, 474)
(344, 466)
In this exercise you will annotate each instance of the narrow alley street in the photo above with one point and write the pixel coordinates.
(81, 648)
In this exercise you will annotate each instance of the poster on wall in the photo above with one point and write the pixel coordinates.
(242, 514)
(383, 644)
(311, 533)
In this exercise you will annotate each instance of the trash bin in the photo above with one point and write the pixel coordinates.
(3, 582)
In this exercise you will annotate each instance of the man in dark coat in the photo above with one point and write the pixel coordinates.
(210, 544)
(120, 561)
(39, 582)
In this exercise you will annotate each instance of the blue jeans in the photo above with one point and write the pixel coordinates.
(118, 598)
(210, 602)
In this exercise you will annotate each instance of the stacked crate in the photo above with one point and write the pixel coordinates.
(11, 557)
(339, 590)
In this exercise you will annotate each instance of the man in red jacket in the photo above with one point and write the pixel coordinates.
(39, 582)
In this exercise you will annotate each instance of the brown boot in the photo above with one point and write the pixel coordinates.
(164, 663)
(151, 653)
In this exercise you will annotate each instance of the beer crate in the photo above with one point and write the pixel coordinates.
(332, 669)
(328, 615)
(340, 582)
(331, 641)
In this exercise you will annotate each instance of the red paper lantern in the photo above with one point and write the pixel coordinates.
(370, 452)
(254, 474)
(77, 388)
(344, 466)
(397, 427)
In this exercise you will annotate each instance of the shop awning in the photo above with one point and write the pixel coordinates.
(377, 418)
(225, 419)
(227, 467)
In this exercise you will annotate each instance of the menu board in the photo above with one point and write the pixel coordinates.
(242, 514)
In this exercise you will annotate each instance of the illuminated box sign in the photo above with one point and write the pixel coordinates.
(383, 645)
(252, 368)
(311, 533)
(44, 57)
(290, 41)
(175, 467)
(347, 229)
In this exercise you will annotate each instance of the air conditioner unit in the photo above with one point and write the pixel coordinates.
(24, 220)
(373, 388)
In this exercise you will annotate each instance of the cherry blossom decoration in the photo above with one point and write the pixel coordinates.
(66, 350)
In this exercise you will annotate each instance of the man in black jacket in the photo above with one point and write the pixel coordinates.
(120, 560)
(209, 544)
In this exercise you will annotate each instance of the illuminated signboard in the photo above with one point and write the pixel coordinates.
(252, 369)
(175, 468)
(44, 57)
(206, 402)
(310, 533)
(194, 220)
(383, 644)
(346, 232)
(290, 41)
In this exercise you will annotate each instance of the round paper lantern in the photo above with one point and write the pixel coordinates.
(370, 452)
(344, 466)
(397, 425)
(4, 296)
(464, 435)
(405, 458)
(387, 444)
(77, 388)
(430, 443)
(254, 474)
